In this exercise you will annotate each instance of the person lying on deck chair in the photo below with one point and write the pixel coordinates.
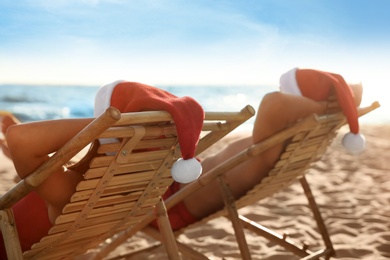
(30, 144)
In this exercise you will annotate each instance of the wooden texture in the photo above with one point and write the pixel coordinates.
(123, 184)
(216, 126)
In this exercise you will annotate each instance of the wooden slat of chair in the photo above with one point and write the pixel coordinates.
(82, 233)
(118, 189)
(149, 156)
(134, 167)
(115, 215)
(144, 144)
(125, 195)
(118, 179)
(117, 202)
(99, 228)
(150, 131)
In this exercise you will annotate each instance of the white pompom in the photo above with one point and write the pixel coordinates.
(354, 143)
(185, 171)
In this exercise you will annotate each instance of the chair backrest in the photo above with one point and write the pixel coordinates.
(125, 180)
(306, 142)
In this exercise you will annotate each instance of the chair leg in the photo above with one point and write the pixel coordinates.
(233, 215)
(183, 248)
(317, 215)
(10, 235)
(168, 238)
(275, 237)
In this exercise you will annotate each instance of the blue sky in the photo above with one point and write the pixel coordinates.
(180, 42)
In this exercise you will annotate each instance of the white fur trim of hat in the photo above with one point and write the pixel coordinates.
(289, 84)
(102, 102)
(103, 98)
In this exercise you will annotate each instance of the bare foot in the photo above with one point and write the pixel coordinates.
(4, 147)
(7, 119)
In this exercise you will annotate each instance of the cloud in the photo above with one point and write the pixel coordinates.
(199, 42)
(58, 4)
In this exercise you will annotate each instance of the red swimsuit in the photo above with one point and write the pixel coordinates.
(179, 216)
(32, 222)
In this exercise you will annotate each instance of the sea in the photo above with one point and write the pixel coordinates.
(39, 102)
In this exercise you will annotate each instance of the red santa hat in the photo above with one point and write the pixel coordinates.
(317, 85)
(187, 114)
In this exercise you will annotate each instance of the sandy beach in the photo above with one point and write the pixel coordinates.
(353, 193)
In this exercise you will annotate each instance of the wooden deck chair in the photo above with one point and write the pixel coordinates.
(308, 140)
(123, 184)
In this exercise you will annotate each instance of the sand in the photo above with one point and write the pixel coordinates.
(353, 193)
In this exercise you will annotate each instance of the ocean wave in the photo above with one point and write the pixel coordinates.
(20, 99)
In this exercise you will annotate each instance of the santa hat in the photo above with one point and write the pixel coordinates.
(317, 85)
(187, 114)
